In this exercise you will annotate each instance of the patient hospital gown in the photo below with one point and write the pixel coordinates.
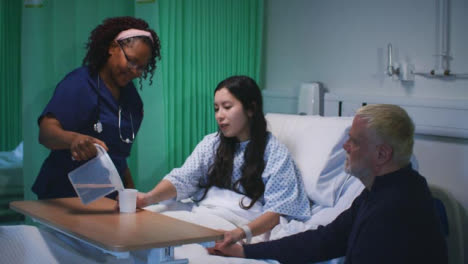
(284, 189)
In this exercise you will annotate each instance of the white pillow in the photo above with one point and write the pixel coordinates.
(315, 143)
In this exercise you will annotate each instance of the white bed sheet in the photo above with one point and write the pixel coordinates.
(322, 215)
(28, 244)
(11, 171)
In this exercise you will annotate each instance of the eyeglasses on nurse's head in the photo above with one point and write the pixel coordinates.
(131, 64)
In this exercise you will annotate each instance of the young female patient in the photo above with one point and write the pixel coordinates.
(242, 162)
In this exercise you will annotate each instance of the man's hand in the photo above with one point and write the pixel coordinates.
(232, 250)
(229, 246)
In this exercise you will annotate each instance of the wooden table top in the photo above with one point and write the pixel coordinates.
(101, 225)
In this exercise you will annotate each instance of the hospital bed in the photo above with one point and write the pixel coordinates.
(315, 143)
(11, 183)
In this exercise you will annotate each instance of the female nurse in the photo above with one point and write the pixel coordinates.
(97, 104)
(242, 158)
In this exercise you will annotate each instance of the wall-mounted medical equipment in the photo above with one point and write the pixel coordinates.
(431, 116)
(406, 71)
(310, 99)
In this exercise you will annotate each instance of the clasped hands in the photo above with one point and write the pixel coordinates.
(229, 246)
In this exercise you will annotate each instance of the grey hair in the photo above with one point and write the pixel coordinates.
(392, 125)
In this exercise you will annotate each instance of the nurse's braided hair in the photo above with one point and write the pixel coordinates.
(103, 35)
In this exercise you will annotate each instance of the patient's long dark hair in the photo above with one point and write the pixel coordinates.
(248, 93)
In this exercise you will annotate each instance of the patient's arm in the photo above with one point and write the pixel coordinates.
(163, 191)
(262, 224)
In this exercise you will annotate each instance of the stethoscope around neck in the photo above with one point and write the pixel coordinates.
(98, 125)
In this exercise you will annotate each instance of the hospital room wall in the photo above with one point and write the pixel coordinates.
(53, 39)
(343, 44)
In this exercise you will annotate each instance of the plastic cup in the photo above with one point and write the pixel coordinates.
(127, 200)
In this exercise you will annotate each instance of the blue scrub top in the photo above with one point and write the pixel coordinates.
(77, 104)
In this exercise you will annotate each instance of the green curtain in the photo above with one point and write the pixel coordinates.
(10, 89)
(203, 42)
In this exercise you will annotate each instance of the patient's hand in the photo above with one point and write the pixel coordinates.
(142, 200)
(231, 237)
(232, 250)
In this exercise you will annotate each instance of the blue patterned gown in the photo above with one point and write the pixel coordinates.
(284, 189)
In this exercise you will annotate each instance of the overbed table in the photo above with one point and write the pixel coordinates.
(101, 226)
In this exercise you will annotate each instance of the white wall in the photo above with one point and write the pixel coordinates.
(342, 44)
